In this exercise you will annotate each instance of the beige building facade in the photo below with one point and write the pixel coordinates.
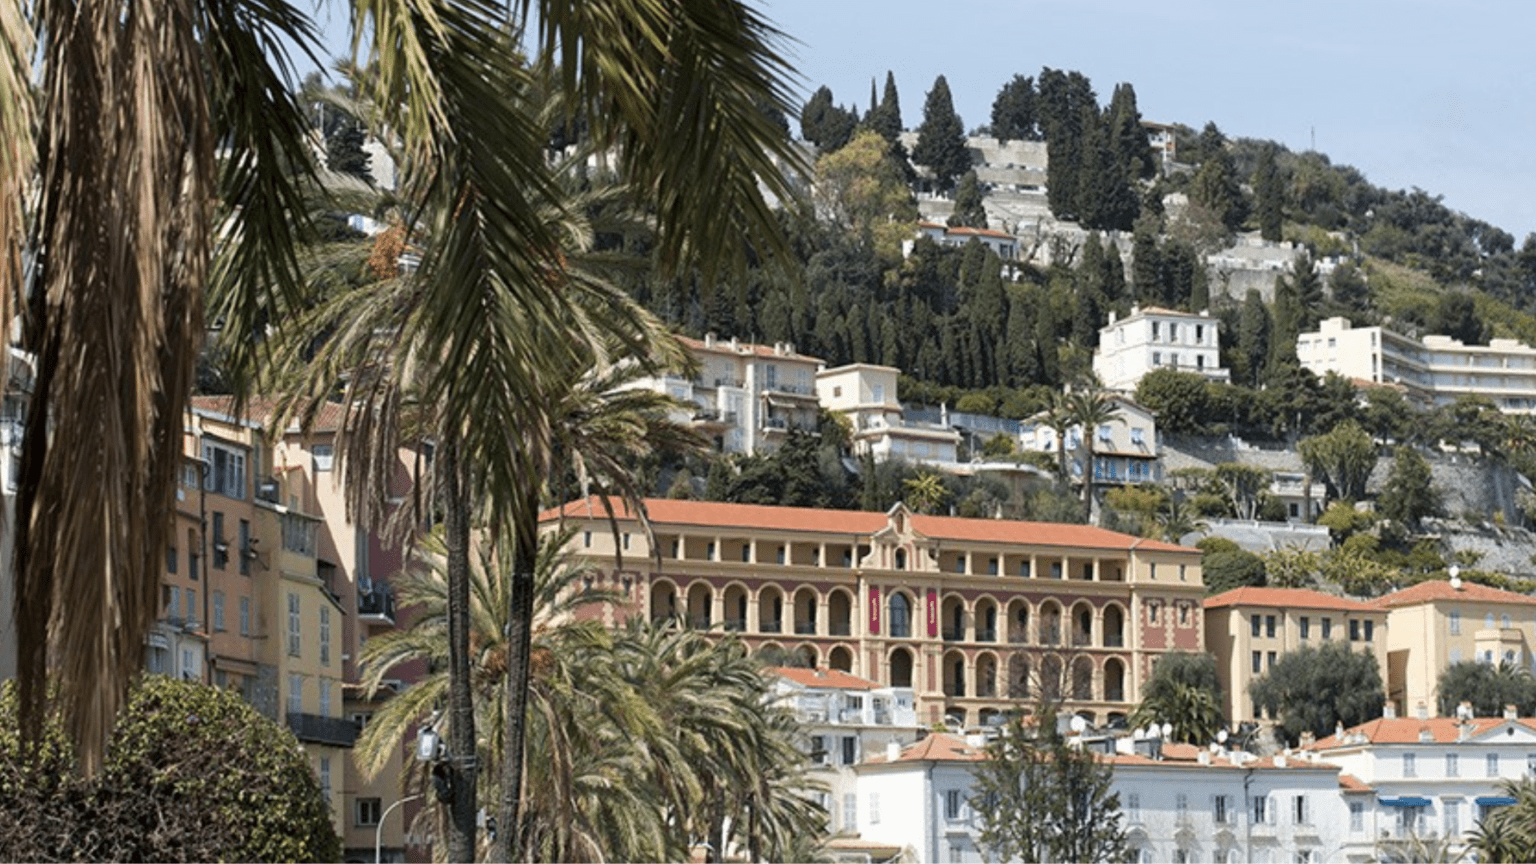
(865, 394)
(1152, 338)
(1437, 623)
(975, 616)
(1250, 629)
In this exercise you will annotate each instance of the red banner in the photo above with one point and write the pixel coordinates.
(874, 611)
(933, 613)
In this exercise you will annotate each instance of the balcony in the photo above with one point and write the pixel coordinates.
(736, 625)
(376, 605)
(839, 628)
(805, 628)
(319, 729)
(986, 635)
(954, 634)
(771, 625)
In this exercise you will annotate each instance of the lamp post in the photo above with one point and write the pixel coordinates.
(378, 832)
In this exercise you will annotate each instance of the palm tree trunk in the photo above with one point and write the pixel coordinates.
(519, 642)
(461, 709)
(1087, 478)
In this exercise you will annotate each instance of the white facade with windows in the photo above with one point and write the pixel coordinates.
(1430, 778)
(1187, 805)
(1124, 449)
(1153, 338)
(866, 395)
(1434, 370)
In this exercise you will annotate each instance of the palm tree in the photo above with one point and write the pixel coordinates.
(925, 493)
(1088, 411)
(1178, 518)
(134, 105)
(1058, 417)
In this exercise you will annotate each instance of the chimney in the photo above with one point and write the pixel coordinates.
(892, 751)
(1422, 711)
(709, 340)
(1389, 711)
(1111, 316)
(1338, 731)
(1203, 757)
(1307, 739)
(1511, 712)
(734, 346)
(1279, 761)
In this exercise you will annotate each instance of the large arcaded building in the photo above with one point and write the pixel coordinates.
(976, 616)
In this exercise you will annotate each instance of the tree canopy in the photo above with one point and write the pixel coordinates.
(1185, 692)
(941, 138)
(1488, 687)
(1312, 689)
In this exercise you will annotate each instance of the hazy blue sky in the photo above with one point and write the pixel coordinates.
(1436, 94)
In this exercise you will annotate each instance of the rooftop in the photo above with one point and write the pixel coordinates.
(711, 514)
(262, 409)
(1433, 590)
(1410, 730)
(822, 677)
(1293, 598)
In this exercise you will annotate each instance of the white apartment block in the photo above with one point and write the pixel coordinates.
(866, 395)
(1433, 370)
(1153, 338)
(746, 397)
(1185, 804)
(844, 717)
(1428, 778)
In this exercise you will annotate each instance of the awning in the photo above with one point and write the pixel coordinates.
(1403, 801)
(1495, 801)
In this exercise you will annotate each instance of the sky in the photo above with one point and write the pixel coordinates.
(1434, 94)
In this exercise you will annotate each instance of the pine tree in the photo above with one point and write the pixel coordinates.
(885, 118)
(941, 138)
(1349, 287)
(344, 151)
(1252, 340)
(1146, 266)
(1023, 366)
(1013, 111)
(1215, 188)
(1062, 98)
(969, 211)
(1268, 195)
(824, 124)
(1308, 288)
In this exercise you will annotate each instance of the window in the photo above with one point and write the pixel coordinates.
(819, 754)
(293, 624)
(1451, 768)
(188, 664)
(1303, 856)
(218, 611)
(246, 552)
(1491, 765)
(245, 616)
(1354, 629)
(170, 559)
(1132, 807)
(191, 615)
(1260, 809)
(900, 616)
(850, 811)
(1183, 610)
(874, 808)
(1451, 814)
(1258, 662)
(1300, 813)
(1504, 622)
(1157, 357)
(1327, 629)
(173, 601)
(324, 455)
(1370, 630)
(325, 636)
(1488, 621)
(850, 750)
(1136, 435)
(1255, 623)
(295, 693)
(1219, 809)
(1269, 626)
(1270, 658)
(1181, 804)
(226, 470)
(1356, 816)
(1156, 327)
(952, 802)
(325, 697)
(1306, 627)
(325, 777)
(1410, 766)
(586, 542)
(220, 545)
(1152, 611)
(1455, 622)
(366, 811)
(1199, 334)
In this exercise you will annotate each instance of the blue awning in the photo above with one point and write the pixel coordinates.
(1403, 801)
(1495, 801)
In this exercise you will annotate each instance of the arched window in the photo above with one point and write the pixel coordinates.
(900, 616)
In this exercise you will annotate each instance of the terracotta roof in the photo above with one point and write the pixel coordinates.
(1408, 730)
(1440, 589)
(260, 410)
(664, 511)
(937, 747)
(1351, 783)
(723, 346)
(979, 232)
(823, 677)
(1296, 598)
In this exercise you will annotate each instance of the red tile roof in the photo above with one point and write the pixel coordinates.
(1294, 598)
(823, 677)
(858, 522)
(260, 410)
(723, 346)
(937, 747)
(1440, 589)
(1408, 730)
(945, 747)
(1351, 783)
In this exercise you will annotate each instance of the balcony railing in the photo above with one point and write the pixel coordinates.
(377, 605)
(954, 634)
(319, 729)
(805, 628)
(1018, 635)
(840, 628)
(735, 625)
(772, 625)
(986, 635)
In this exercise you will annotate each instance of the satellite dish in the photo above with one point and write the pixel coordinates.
(1221, 737)
(1154, 731)
(1167, 730)
(1079, 724)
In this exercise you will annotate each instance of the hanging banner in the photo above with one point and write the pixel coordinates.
(933, 613)
(874, 611)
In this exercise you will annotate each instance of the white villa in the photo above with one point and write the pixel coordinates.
(1152, 338)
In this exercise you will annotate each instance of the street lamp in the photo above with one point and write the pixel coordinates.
(378, 832)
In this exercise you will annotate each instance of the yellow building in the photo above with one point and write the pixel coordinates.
(1437, 623)
(1250, 629)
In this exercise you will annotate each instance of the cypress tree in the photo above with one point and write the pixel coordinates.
(1013, 111)
(826, 125)
(1252, 339)
(1268, 195)
(1308, 288)
(1287, 325)
(941, 138)
(969, 211)
(1129, 136)
(1113, 281)
(885, 118)
(1061, 101)
(1023, 368)
(1146, 266)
